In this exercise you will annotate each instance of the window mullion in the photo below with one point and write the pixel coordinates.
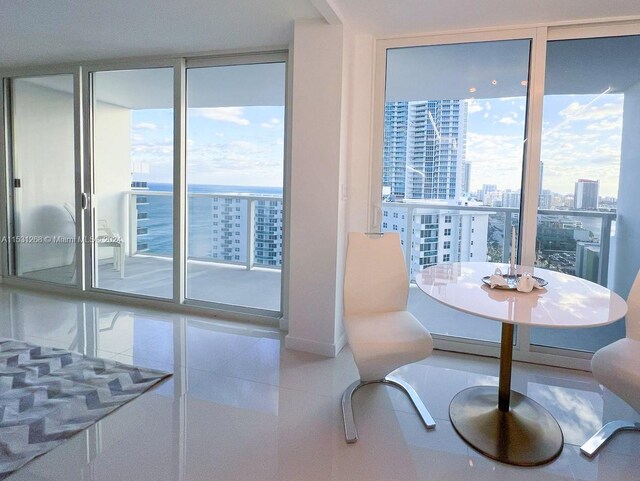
(531, 170)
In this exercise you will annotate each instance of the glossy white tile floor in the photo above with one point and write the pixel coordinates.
(241, 407)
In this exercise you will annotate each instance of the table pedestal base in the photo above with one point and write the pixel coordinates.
(526, 435)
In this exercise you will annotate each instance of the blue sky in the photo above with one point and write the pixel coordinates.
(244, 145)
(225, 145)
(581, 139)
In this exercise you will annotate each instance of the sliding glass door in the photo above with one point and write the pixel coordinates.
(454, 130)
(587, 210)
(132, 201)
(476, 138)
(160, 180)
(233, 162)
(235, 168)
(41, 137)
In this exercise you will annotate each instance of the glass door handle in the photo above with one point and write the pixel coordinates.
(84, 201)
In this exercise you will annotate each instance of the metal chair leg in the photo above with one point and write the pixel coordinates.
(604, 435)
(350, 431)
(426, 417)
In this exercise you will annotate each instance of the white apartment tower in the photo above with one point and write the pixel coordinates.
(424, 149)
(438, 235)
(425, 160)
(229, 234)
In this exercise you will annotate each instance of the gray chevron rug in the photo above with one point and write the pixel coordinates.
(47, 395)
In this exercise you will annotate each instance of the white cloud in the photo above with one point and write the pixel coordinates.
(235, 115)
(271, 123)
(507, 121)
(606, 125)
(145, 126)
(587, 112)
(495, 159)
(242, 160)
(473, 106)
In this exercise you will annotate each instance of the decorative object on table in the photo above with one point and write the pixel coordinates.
(521, 282)
(48, 395)
(616, 367)
(382, 334)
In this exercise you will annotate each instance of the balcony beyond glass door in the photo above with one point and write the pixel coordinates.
(235, 132)
(588, 214)
(454, 129)
(43, 183)
(133, 181)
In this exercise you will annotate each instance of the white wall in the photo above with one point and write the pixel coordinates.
(315, 187)
(112, 168)
(331, 148)
(43, 143)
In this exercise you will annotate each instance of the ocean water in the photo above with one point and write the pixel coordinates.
(159, 223)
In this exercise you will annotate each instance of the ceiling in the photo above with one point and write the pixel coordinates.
(401, 17)
(36, 32)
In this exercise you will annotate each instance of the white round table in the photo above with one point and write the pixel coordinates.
(503, 424)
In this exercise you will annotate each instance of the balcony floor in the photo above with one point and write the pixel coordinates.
(206, 281)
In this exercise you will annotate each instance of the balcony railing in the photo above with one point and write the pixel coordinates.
(150, 227)
(506, 217)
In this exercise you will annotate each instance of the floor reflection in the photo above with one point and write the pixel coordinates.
(241, 407)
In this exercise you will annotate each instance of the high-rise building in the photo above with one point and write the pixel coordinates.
(486, 189)
(586, 194)
(424, 159)
(511, 198)
(229, 239)
(395, 148)
(424, 149)
(545, 199)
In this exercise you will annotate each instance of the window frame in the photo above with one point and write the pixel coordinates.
(539, 36)
(83, 111)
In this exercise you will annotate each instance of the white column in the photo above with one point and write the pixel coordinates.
(315, 210)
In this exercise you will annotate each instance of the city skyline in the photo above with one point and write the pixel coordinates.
(580, 139)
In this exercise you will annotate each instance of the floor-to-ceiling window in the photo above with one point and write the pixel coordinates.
(96, 168)
(133, 181)
(454, 130)
(590, 119)
(235, 168)
(42, 178)
(472, 134)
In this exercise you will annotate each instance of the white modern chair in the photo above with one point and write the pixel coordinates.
(617, 367)
(383, 336)
(105, 238)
